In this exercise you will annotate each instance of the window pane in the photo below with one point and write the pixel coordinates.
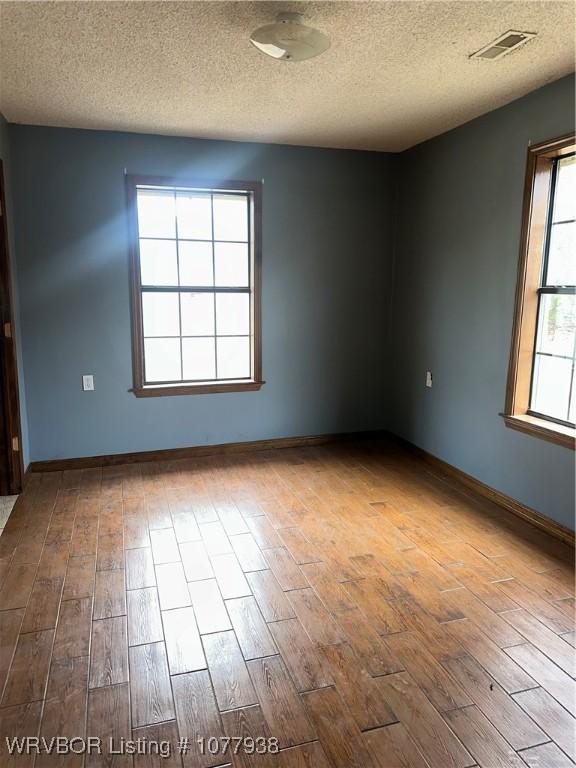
(231, 262)
(162, 359)
(557, 325)
(194, 215)
(198, 359)
(234, 358)
(160, 311)
(232, 314)
(562, 255)
(230, 217)
(551, 386)
(565, 194)
(158, 262)
(156, 213)
(195, 263)
(197, 314)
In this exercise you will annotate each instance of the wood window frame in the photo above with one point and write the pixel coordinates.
(535, 213)
(140, 388)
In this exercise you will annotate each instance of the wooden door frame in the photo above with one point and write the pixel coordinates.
(11, 469)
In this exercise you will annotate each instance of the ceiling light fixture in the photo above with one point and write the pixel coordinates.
(290, 39)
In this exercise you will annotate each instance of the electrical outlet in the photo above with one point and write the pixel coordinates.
(88, 383)
(429, 379)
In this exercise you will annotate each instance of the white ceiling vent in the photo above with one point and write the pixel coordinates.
(507, 42)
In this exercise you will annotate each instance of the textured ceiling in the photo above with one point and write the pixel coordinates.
(397, 72)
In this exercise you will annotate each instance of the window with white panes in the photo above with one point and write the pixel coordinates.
(541, 385)
(195, 279)
(553, 394)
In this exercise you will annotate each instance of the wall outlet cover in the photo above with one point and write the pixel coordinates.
(88, 383)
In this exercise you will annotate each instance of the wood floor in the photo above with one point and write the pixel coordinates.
(339, 601)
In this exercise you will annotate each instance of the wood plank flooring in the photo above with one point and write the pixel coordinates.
(341, 600)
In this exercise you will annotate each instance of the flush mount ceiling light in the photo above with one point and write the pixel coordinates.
(289, 39)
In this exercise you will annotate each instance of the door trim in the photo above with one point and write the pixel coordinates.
(11, 469)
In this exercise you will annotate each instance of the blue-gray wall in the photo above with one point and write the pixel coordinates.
(327, 243)
(460, 211)
(5, 156)
(335, 357)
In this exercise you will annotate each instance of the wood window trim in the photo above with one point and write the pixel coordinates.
(139, 388)
(534, 217)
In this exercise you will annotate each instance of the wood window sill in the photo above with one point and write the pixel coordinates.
(546, 430)
(197, 389)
